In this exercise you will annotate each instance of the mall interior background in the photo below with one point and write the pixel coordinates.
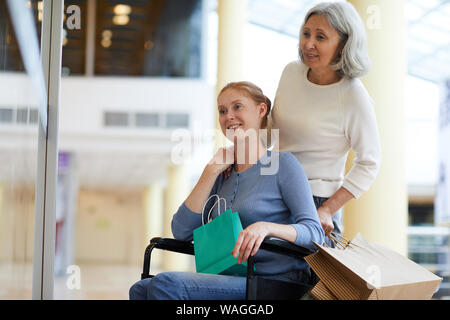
(135, 77)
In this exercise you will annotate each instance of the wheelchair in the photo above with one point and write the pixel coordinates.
(257, 287)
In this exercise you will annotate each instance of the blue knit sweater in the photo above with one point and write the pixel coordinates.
(282, 197)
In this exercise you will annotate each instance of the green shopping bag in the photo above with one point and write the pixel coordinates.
(213, 243)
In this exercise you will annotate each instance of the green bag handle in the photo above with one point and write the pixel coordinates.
(218, 207)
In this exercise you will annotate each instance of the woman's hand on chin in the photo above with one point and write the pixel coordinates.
(221, 161)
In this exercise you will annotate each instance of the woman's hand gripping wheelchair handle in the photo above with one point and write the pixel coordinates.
(187, 247)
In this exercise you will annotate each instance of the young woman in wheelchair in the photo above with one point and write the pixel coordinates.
(269, 190)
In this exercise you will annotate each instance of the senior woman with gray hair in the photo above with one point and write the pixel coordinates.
(322, 110)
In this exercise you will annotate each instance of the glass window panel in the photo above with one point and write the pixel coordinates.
(6, 115)
(437, 19)
(18, 162)
(429, 4)
(74, 39)
(9, 51)
(150, 38)
(107, 160)
(413, 12)
(22, 115)
(283, 47)
(292, 29)
(439, 70)
(420, 45)
(413, 56)
(444, 56)
(177, 120)
(422, 150)
(284, 16)
(421, 100)
(445, 9)
(116, 119)
(429, 34)
(34, 115)
(147, 120)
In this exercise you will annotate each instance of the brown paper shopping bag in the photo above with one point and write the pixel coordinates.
(362, 270)
(321, 292)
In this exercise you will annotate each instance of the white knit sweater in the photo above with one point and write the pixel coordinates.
(319, 125)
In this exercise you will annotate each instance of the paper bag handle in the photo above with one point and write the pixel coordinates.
(218, 207)
(339, 241)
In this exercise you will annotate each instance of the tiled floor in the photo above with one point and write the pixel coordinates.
(15, 281)
(97, 282)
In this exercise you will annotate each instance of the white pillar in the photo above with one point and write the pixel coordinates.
(153, 216)
(381, 214)
(231, 39)
(176, 192)
(1, 200)
(2, 221)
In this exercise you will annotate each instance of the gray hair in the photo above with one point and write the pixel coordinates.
(354, 61)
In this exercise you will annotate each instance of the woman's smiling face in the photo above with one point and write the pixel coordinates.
(239, 112)
(319, 43)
